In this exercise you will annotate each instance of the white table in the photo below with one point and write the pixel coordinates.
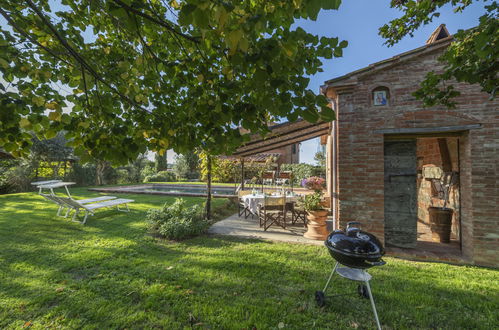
(52, 186)
(251, 201)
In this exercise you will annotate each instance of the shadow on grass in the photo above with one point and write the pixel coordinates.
(109, 274)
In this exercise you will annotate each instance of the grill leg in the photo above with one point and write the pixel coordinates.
(372, 304)
(330, 276)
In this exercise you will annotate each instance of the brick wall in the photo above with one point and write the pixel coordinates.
(360, 153)
(429, 156)
(287, 155)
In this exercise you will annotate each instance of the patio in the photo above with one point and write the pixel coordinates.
(249, 228)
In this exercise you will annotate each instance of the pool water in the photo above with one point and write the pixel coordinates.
(171, 190)
(191, 190)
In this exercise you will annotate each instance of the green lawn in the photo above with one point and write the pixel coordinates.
(111, 274)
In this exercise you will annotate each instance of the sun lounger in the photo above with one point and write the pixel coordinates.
(52, 185)
(89, 208)
(62, 205)
(41, 183)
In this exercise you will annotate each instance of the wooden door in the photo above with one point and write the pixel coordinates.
(400, 193)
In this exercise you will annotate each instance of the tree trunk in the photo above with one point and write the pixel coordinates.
(208, 188)
(99, 169)
(242, 173)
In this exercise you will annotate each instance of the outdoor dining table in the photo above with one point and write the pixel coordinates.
(52, 186)
(252, 200)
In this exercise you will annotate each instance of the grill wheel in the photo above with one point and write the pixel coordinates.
(320, 298)
(362, 290)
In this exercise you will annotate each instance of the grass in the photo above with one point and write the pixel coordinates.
(111, 274)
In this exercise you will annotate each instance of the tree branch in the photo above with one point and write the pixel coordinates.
(155, 20)
(27, 36)
(78, 57)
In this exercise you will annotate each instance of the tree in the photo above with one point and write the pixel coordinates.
(52, 153)
(320, 157)
(471, 57)
(126, 76)
(186, 165)
(161, 161)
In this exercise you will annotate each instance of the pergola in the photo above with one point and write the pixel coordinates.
(281, 135)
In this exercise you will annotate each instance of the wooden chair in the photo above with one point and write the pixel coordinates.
(268, 178)
(298, 214)
(272, 212)
(243, 209)
(284, 178)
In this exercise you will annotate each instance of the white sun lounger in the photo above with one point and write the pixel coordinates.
(62, 205)
(89, 208)
(51, 186)
(40, 183)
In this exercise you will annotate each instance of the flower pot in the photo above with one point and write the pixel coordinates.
(316, 225)
(440, 224)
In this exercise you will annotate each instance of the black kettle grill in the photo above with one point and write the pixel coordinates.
(355, 248)
(355, 251)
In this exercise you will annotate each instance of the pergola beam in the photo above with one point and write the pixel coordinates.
(300, 132)
(283, 136)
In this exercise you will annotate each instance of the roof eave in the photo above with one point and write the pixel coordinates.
(340, 81)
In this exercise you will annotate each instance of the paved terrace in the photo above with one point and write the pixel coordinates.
(249, 228)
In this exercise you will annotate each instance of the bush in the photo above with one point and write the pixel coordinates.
(177, 221)
(148, 170)
(161, 176)
(123, 176)
(16, 175)
(303, 171)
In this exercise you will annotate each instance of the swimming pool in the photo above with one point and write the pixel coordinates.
(171, 190)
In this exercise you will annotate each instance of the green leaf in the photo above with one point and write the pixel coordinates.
(233, 40)
(310, 115)
(327, 114)
(331, 4)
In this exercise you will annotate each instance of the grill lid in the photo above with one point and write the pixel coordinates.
(355, 243)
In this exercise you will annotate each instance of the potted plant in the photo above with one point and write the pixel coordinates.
(313, 204)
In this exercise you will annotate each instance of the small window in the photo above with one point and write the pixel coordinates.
(293, 148)
(380, 96)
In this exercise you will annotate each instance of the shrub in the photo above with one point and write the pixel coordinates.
(177, 221)
(123, 176)
(16, 175)
(147, 171)
(303, 171)
(161, 176)
(83, 175)
(222, 170)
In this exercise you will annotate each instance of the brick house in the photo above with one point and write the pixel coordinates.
(385, 148)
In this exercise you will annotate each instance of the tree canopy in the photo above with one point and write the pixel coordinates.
(123, 76)
(471, 57)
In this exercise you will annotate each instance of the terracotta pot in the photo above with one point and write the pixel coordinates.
(316, 225)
